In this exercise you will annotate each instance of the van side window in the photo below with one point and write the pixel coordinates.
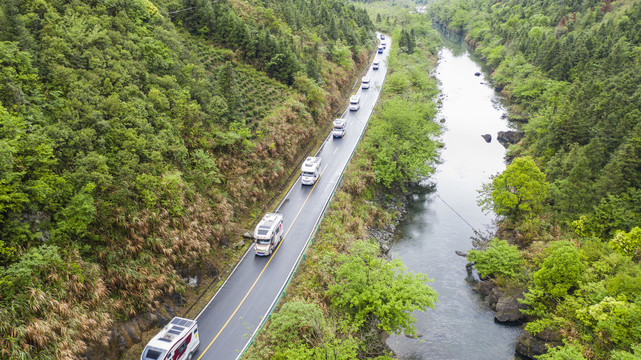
(181, 349)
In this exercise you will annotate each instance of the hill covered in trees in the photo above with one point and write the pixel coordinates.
(571, 68)
(137, 137)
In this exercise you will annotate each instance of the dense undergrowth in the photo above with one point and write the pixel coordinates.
(346, 293)
(570, 201)
(137, 138)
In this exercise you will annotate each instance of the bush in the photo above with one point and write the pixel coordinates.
(498, 259)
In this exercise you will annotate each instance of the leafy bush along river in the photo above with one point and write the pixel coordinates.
(137, 137)
(569, 202)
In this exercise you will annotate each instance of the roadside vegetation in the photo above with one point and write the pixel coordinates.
(570, 200)
(137, 138)
(347, 294)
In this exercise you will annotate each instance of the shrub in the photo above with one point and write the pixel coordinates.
(498, 259)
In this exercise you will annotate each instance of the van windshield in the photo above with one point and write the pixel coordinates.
(307, 173)
(263, 241)
(153, 354)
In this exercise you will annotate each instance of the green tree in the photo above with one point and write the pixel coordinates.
(561, 270)
(568, 352)
(518, 192)
(370, 287)
(628, 243)
(399, 142)
(498, 259)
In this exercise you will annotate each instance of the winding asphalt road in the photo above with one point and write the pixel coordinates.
(229, 321)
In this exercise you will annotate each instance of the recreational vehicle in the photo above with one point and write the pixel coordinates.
(339, 128)
(178, 340)
(310, 171)
(365, 82)
(354, 103)
(268, 234)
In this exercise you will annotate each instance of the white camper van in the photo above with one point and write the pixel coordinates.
(354, 103)
(178, 340)
(339, 128)
(310, 171)
(375, 65)
(365, 82)
(268, 234)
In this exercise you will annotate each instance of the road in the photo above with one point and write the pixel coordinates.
(229, 321)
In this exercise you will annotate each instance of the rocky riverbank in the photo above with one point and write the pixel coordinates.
(504, 301)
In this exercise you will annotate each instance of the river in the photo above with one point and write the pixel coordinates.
(443, 212)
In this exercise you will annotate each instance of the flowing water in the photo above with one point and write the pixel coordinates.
(443, 213)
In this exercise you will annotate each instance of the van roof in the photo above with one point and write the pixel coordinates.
(355, 98)
(311, 163)
(177, 329)
(365, 79)
(267, 224)
(339, 122)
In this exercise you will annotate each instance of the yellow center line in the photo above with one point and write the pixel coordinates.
(264, 268)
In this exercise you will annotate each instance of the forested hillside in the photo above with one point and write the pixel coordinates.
(571, 69)
(138, 137)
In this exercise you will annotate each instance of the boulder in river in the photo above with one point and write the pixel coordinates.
(487, 137)
(477, 74)
(489, 291)
(498, 88)
(461, 253)
(530, 345)
(508, 308)
(510, 137)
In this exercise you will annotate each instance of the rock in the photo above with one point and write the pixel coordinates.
(224, 242)
(498, 88)
(508, 308)
(417, 336)
(193, 281)
(248, 235)
(530, 346)
(178, 299)
(484, 288)
(461, 253)
(469, 265)
(239, 244)
(489, 291)
(442, 121)
(487, 137)
(510, 137)
(477, 74)
(493, 298)
(385, 249)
